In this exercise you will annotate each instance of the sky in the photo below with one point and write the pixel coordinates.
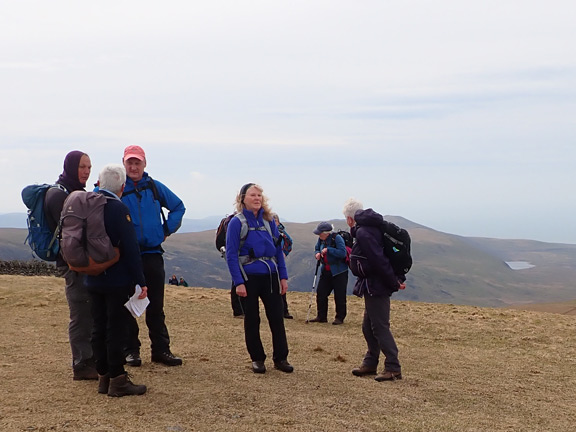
(456, 114)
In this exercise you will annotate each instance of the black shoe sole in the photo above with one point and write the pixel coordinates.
(174, 363)
(361, 374)
(284, 369)
(394, 378)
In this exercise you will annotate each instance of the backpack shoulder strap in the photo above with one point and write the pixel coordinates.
(333, 239)
(152, 186)
(243, 227)
(157, 198)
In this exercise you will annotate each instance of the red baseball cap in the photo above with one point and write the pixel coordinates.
(134, 151)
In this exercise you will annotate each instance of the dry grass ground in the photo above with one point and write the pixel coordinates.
(465, 369)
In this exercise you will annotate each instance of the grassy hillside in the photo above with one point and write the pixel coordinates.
(447, 268)
(465, 369)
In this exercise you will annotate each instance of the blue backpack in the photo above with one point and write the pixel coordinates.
(42, 240)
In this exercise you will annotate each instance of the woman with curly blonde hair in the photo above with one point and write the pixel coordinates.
(256, 263)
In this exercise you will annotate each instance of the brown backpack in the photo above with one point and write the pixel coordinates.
(84, 244)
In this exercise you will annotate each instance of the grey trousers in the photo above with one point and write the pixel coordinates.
(376, 330)
(81, 323)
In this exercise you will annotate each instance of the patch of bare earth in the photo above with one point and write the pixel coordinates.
(465, 369)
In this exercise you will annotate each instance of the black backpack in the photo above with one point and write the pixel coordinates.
(348, 240)
(348, 243)
(221, 233)
(397, 247)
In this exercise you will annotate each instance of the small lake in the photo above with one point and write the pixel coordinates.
(519, 265)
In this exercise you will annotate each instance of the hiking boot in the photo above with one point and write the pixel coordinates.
(283, 366)
(258, 367)
(337, 321)
(103, 383)
(166, 358)
(388, 376)
(364, 370)
(133, 359)
(122, 386)
(318, 320)
(85, 371)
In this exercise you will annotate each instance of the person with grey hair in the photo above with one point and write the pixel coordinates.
(376, 282)
(112, 288)
(330, 250)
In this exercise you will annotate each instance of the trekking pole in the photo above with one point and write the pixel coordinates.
(313, 289)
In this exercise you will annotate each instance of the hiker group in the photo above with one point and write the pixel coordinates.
(108, 245)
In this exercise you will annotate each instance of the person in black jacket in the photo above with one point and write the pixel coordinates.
(77, 167)
(376, 282)
(111, 289)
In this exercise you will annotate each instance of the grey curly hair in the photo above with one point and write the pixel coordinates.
(351, 207)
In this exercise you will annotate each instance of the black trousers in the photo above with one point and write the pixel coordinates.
(238, 306)
(326, 285)
(155, 275)
(110, 330)
(267, 288)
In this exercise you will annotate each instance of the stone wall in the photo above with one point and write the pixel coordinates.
(28, 268)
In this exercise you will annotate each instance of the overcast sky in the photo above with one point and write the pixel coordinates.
(456, 114)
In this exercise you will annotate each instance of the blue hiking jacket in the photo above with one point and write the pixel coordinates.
(336, 254)
(145, 212)
(260, 242)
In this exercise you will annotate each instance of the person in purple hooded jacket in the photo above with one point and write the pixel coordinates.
(77, 167)
(376, 282)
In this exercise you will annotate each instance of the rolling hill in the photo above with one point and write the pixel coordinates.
(447, 268)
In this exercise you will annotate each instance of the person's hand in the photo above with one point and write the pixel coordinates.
(283, 286)
(318, 256)
(401, 285)
(144, 293)
(325, 251)
(241, 290)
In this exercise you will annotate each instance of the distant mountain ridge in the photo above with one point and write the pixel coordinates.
(18, 220)
(447, 268)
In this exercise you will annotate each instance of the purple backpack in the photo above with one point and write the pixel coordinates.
(85, 245)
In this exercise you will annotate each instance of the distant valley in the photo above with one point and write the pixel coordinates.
(447, 268)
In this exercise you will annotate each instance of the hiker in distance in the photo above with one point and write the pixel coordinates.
(330, 250)
(112, 288)
(77, 167)
(146, 198)
(376, 282)
(256, 264)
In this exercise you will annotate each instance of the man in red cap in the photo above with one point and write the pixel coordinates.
(146, 198)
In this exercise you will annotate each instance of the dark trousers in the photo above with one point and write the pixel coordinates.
(326, 285)
(110, 330)
(153, 264)
(267, 288)
(376, 330)
(238, 306)
(236, 301)
(80, 325)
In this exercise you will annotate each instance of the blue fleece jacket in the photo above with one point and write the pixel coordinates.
(259, 242)
(145, 212)
(336, 253)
